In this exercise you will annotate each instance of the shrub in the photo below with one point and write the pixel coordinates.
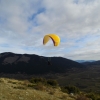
(38, 80)
(70, 89)
(64, 89)
(40, 86)
(51, 91)
(52, 82)
(92, 96)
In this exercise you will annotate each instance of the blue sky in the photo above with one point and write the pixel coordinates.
(23, 24)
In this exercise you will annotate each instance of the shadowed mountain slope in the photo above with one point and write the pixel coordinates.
(34, 64)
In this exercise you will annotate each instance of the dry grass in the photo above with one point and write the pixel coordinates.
(11, 89)
(82, 97)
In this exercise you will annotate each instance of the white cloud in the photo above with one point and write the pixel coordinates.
(24, 23)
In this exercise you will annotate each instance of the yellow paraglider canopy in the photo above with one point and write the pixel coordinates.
(55, 38)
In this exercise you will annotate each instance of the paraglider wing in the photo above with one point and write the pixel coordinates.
(55, 38)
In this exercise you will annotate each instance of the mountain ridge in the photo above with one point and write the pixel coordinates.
(35, 64)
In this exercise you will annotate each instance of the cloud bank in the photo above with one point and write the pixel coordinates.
(24, 23)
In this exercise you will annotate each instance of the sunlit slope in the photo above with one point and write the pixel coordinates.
(11, 89)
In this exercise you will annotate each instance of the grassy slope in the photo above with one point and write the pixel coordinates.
(11, 89)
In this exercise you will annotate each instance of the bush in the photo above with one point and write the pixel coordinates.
(64, 89)
(92, 96)
(70, 89)
(40, 86)
(38, 80)
(52, 82)
(51, 91)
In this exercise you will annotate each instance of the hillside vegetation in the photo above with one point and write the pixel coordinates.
(11, 89)
(39, 89)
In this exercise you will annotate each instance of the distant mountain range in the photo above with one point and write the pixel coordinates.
(35, 64)
(82, 61)
(91, 63)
